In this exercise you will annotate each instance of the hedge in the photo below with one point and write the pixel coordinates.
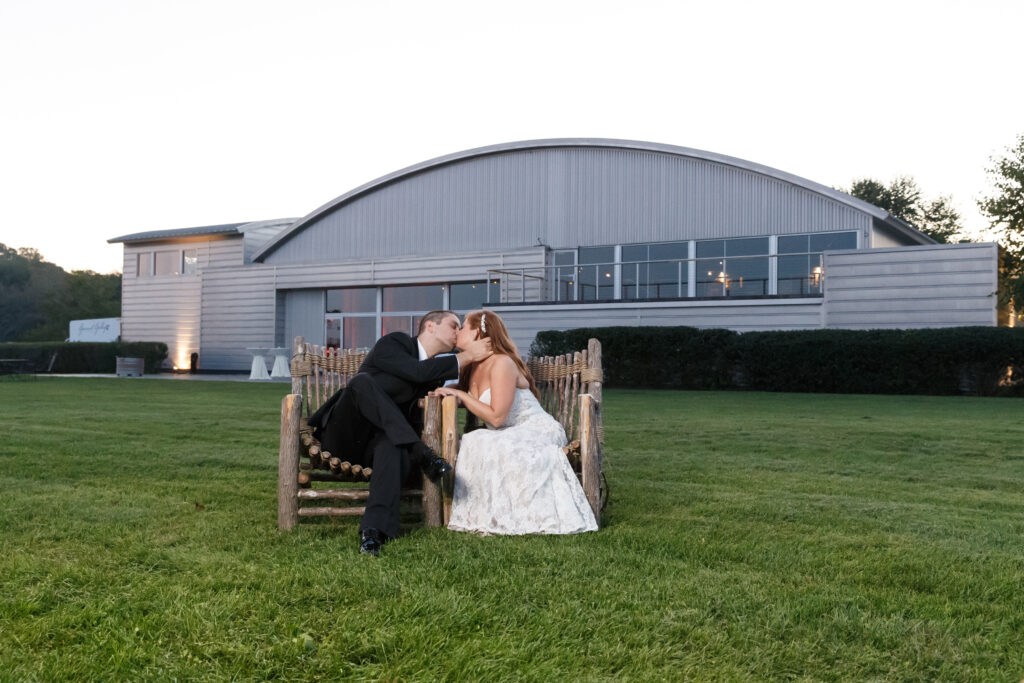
(72, 357)
(958, 360)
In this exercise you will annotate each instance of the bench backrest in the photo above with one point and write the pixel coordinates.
(561, 379)
(319, 371)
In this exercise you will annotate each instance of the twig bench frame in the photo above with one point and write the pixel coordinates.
(570, 388)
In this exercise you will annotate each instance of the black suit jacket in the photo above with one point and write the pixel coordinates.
(395, 365)
(394, 362)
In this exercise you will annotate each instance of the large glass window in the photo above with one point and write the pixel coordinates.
(654, 271)
(190, 261)
(352, 300)
(413, 298)
(563, 276)
(596, 273)
(467, 296)
(801, 268)
(736, 267)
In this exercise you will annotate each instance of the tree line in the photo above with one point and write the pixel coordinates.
(937, 218)
(38, 299)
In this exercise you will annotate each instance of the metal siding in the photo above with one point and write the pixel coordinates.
(164, 308)
(564, 197)
(911, 287)
(304, 315)
(238, 312)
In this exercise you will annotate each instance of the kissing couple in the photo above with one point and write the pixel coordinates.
(512, 477)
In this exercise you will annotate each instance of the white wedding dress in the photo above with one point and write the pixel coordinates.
(516, 480)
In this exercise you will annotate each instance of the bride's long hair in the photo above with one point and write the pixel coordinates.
(492, 327)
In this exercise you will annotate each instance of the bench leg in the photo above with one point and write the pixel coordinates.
(288, 463)
(432, 512)
(449, 447)
(590, 452)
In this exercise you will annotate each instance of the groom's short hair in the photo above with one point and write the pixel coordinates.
(435, 317)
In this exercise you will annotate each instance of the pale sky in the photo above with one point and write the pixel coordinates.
(120, 116)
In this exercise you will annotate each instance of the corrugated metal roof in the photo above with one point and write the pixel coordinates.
(224, 229)
(581, 143)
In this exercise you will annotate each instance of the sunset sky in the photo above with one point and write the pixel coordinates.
(127, 115)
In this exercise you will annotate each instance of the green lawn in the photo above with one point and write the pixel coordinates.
(750, 536)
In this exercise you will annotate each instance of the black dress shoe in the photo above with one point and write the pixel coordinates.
(370, 541)
(434, 467)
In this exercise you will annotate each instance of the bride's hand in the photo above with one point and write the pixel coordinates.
(444, 391)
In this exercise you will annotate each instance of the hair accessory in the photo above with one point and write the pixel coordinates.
(483, 323)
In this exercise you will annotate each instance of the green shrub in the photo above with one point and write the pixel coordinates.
(960, 360)
(84, 357)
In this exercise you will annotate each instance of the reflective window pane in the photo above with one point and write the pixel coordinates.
(167, 263)
(144, 265)
(564, 258)
(467, 296)
(359, 332)
(398, 323)
(563, 284)
(793, 273)
(667, 280)
(596, 282)
(634, 252)
(747, 246)
(669, 250)
(597, 254)
(191, 261)
(747, 276)
(833, 240)
(792, 244)
(332, 332)
(710, 248)
(634, 279)
(352, 300)
(413, 298)
(711, 278)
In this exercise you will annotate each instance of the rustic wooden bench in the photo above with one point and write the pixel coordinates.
(570, 388)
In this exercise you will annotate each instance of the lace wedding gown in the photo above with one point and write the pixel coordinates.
(516, 480)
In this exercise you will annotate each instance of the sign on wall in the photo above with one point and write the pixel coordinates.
(94, 330)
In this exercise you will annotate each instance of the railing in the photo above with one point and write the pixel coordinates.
(730, 276)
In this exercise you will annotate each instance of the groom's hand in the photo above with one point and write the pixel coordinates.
(475, 351)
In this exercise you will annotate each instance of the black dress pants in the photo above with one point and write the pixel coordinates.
(366, 428)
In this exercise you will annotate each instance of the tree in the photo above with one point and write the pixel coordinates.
(902, 198)
(38, 298)
(1005, 211)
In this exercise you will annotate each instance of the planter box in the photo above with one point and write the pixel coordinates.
(130, 367)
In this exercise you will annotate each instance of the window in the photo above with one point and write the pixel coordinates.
(413, 298)
(801, 268)
(563, 276)
(144, 264)
(655, 271)
(736, 267)
(190, 261)
(464, 297)
(596, 273)
(352, 300)
(167, 263)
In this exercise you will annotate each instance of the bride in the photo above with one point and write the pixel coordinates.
(513, 477)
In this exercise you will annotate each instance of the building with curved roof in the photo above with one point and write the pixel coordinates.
(566, 233)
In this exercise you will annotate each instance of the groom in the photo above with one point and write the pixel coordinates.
(375, 420)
